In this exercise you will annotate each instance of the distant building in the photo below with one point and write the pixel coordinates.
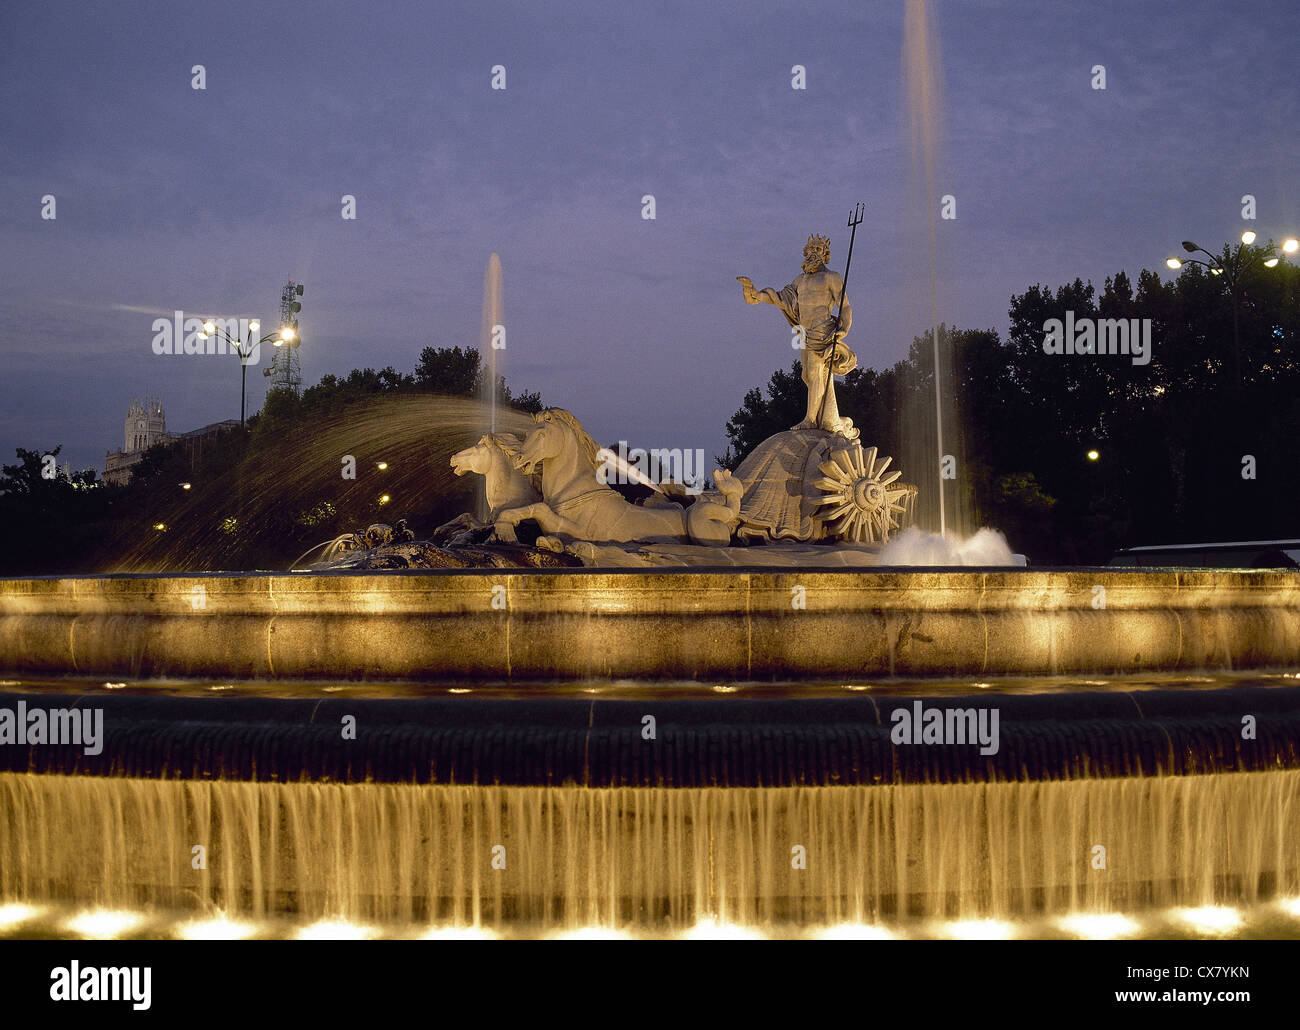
(194, 440)
(145, 426)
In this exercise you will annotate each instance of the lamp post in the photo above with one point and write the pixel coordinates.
(244, 349)
(1233, 263)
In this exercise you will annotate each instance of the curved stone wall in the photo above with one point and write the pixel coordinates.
(671, 624)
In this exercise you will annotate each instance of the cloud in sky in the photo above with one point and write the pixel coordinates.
(209, 200)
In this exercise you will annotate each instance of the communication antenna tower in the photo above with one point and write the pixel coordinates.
(285, 371)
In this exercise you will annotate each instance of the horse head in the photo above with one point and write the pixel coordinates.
(472, 459)
(557, 434)
(489, 449)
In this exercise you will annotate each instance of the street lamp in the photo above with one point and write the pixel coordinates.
(244, 350)
(1232, 263)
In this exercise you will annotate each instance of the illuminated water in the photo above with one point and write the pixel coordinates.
(1270, 921)
(1210, 855)
(654, 861)
(490, 356)
(929, 421)
(287, 485)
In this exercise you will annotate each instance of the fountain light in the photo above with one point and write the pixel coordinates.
(1291, 245)
(114, 686)
(1173, 262)
(724, 688)
(1248, 237)
(218, 929)
(1099, 926)
(591, 933)
(335, 930)
(102, 924)
(460, 690)
(1291, 906)
(855, 932)
(712, 930)
(16, 913)
(458, 933)
(978, 930)
(1215, 920)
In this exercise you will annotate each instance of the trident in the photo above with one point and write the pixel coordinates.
(855, 219)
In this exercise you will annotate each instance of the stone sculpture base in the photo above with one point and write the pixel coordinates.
(780, 500)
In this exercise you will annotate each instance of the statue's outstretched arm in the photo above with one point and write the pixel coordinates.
(787, 300)
(783, 299)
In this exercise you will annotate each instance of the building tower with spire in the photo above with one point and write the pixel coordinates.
(145, 425)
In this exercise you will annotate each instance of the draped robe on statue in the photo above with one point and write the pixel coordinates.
(817, 338)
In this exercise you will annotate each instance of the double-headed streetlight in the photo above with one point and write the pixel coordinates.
(1233, 264)
(245, 349)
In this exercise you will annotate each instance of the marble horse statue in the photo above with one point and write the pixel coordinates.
(578, 505)
(493, 457)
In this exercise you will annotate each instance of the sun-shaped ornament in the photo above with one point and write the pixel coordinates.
(858, 487)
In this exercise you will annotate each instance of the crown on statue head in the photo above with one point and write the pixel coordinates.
(820, 245)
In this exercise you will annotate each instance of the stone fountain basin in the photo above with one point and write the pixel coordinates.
(692, 624)
(733, 735)
(603, 826)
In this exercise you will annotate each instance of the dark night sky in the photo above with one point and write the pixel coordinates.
(208, 201)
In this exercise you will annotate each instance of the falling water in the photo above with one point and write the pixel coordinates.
(412, 435)
(940, 507)
(491, 350)
(650, 859)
